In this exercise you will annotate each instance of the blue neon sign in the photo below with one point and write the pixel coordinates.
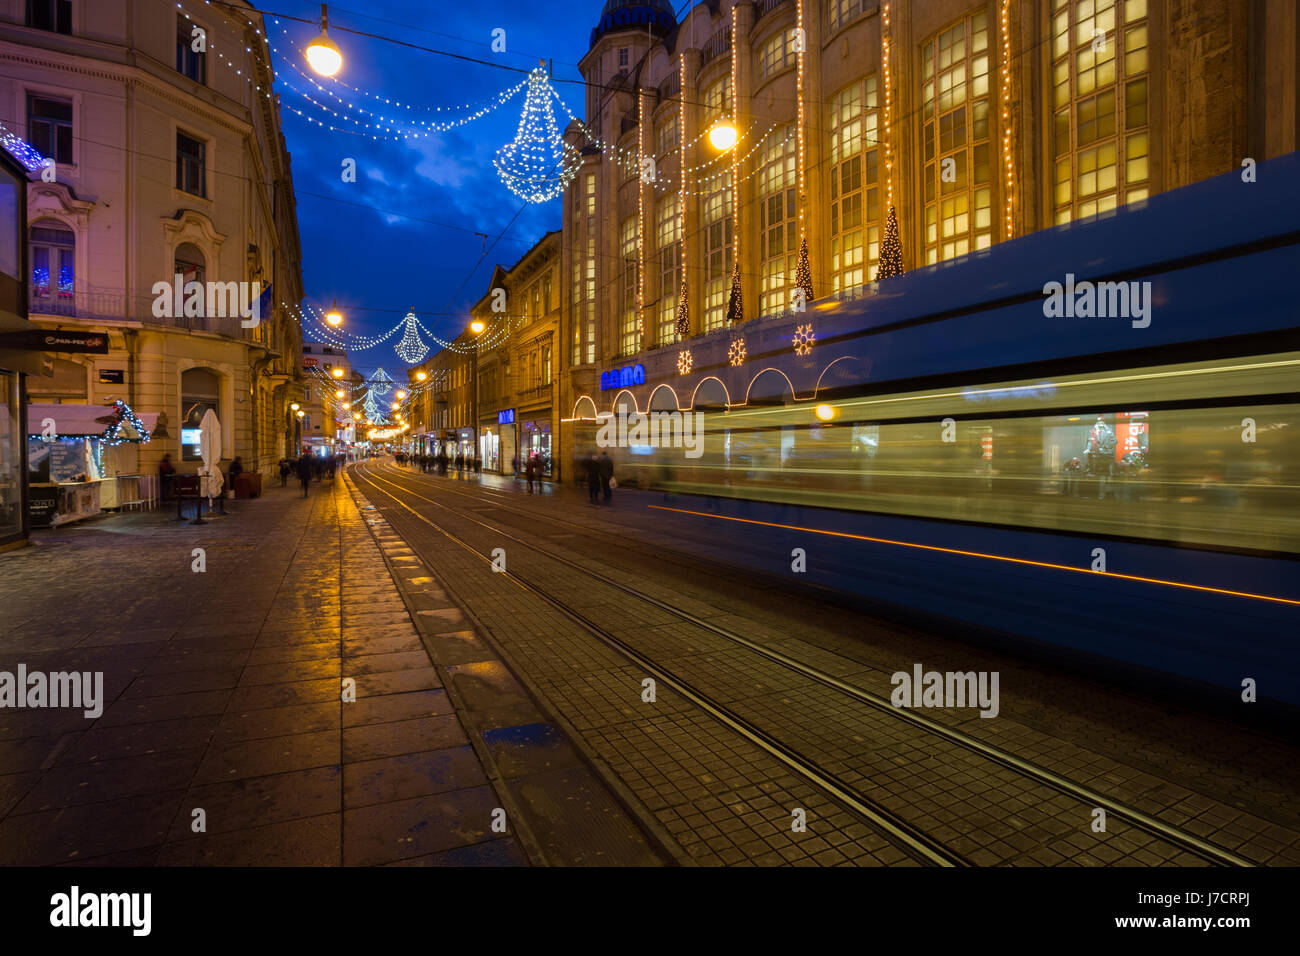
(506, 416)
(624, 377)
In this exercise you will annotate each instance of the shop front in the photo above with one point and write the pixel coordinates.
(15, 362)
(504, 444)
(535, 442)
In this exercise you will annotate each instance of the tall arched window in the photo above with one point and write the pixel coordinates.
(54, 270)
(191, 266)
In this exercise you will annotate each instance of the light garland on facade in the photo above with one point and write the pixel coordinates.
(640, 216)
(1008, 174)
(22, 151)
(735, 299)
(889, 98)
(800, 185)
(683, 305)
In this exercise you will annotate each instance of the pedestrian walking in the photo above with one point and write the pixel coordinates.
(304, 472)
(593, 479)
(286, 469)
(530, 472)
(606, 475)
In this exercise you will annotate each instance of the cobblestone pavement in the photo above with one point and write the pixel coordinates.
(1228, 784)
(224, 693)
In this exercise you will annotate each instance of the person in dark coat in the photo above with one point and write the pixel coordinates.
(304, 472)
(606, 475)
(593, 478)
(165, 471)
(530, 473)
(286, 469)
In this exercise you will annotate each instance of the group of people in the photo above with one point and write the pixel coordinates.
(600, 478)
(441, 462)
(308, 466)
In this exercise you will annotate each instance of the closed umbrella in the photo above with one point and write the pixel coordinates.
(210, 451)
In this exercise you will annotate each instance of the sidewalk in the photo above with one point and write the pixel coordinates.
(222, 694)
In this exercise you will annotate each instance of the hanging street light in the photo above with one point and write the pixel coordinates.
(421, 375)
(337, 371)
(477, 326)
(334, 317)
(323, 56)
(723, 135)
(339, 394)
(294, 407)
(400, 395)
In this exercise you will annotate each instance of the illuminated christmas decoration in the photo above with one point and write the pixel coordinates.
(683, 313)
(374, 413)
(891, 250)
(889, 101)
(21, 151)
(537, 164)
(803, 272)
(685, 362)
(411, 350)
(1009, 187)
(380, 383)
(736, 353)
(735, 306)
(803, 339)
(124, 416)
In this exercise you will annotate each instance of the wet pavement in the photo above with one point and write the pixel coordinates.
(227, 734)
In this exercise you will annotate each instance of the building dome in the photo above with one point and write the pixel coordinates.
(616, 15)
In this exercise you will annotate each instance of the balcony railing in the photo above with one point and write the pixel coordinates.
(767, 6)
(717, 45)
(112, 305)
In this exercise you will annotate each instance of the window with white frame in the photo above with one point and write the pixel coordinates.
(53, 249)
(49, 127)
(629, 326)
(776, 54)
(956, 144)
(1100, 90)
(717, 253)
(669, 243)
(777, 220)
(855, 192)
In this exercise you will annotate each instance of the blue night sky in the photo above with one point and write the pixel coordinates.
(402, 235)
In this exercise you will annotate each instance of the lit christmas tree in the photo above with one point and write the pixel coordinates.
(891, 251)
(735, 307)
(803, 273)
(683, 315)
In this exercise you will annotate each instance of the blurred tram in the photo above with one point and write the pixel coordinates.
(971, 451)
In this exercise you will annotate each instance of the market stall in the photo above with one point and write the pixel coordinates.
(75, 455)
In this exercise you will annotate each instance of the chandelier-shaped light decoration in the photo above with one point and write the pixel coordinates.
(411, 349)
(537, 164)
(380, 384)
(374, 413)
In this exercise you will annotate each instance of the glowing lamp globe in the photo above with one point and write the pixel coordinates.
(339, 393)
(294, 407)
(323, 55)
(421, 375)
(477, 326)
(400, 395)
(722, 136)
(825, 412)
(301, 414)
(337, 372)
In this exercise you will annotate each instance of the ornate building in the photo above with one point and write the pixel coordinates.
(973, 121)
(169, 162)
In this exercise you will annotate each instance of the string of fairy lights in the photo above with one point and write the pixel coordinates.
(540, 162)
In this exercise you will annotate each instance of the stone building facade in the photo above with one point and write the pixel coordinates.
(975, 120)
(169, 160)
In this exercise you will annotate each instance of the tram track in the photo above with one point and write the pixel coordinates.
(913, 840)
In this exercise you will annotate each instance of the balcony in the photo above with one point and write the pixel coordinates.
(111, 305)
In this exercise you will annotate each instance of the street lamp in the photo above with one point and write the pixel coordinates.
(337, 371)
(723, 135)
(294, 407)
(477, 327)
(421, 375)
(339, 394)
(322, 54)
(400, 395)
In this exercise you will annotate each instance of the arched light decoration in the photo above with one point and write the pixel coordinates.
(322, 53)
(411, 348)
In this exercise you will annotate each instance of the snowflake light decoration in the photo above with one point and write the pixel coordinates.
(736, 352)
(803, 339)
(685, 362)
(411, 349)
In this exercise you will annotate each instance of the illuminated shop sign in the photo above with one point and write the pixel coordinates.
(506, 416)
(624, 377)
